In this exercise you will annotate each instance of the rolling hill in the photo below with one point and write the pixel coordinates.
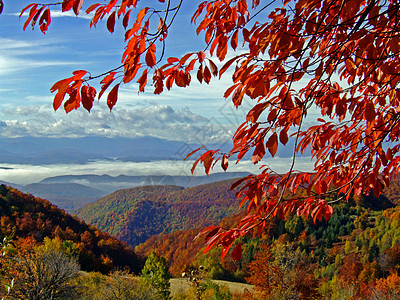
(133, 215)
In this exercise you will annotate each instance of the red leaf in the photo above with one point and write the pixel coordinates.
(259, 152)
(207, 75)
(32, 13)
(1, 6)
(92, 8)
(237, 252)
(45, 20)
(125, 20)
(201, 56)
(200, 74)
(234, 40)
(77, 6)
(185, 58)
(272, 144)
(283, 137)
(88, 94)
(106, 82)
(224, 162)
(111, 22)
(67, 5)
(194, 151)
(26, 8)
(369, 112)
(112, 97)
(213, 67)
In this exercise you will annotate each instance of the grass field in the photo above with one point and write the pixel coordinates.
(181, 285)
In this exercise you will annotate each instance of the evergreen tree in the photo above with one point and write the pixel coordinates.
(155, 272)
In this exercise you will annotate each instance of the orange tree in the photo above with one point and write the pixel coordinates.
(337, 57)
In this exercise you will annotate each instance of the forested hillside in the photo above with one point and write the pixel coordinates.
(134, 215)
(27, 219)
(355, 254)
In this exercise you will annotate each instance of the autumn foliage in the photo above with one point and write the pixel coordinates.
(29, 220)
(322, 75)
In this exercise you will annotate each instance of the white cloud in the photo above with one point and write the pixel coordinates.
(59, 14)
(25, 174)
(155, 120)
(10, 65)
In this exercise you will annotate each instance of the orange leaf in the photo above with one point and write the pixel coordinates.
(142, 81)
(234, 40)
(150, 56)
(272, 144)
(259, 152)
(141, 15)
(112, 97)
(73, 102)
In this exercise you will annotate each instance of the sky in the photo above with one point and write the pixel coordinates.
(31, 62)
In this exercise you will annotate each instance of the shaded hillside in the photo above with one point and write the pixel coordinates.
(133, 215)
(24, 216)
(66, 196)
(393, 191)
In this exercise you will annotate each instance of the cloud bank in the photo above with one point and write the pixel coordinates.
(154, 120)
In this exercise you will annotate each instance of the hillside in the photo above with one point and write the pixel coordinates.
(133, 215)
(22, 216)
(67, 196)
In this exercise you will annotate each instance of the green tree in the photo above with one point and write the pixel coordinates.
(156, 273)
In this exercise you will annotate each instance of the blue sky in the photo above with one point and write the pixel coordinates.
(30, 62)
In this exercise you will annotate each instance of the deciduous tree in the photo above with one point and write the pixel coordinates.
(338, 58)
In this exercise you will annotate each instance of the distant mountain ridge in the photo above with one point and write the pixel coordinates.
(133, 215)
(71, 192)
(110, 184)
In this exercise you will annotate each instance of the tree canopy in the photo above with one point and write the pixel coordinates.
(337, 57)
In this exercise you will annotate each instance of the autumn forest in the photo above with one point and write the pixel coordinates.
(317, 213)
